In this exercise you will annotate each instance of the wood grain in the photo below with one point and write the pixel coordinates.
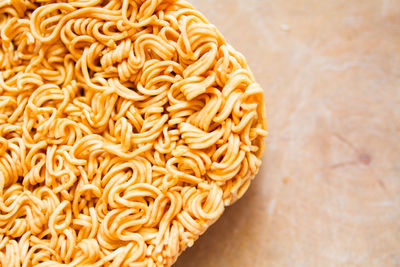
(328, 193)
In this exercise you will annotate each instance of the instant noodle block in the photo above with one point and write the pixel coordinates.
(126, 128)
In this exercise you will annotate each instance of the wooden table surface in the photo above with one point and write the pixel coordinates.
(328, 193)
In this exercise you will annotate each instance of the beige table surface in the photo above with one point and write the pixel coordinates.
(328, 193)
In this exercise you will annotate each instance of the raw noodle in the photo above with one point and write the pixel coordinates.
(126, 127)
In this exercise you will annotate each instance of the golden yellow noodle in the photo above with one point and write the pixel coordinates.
(126, 127)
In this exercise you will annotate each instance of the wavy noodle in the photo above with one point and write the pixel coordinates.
(126, 127)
